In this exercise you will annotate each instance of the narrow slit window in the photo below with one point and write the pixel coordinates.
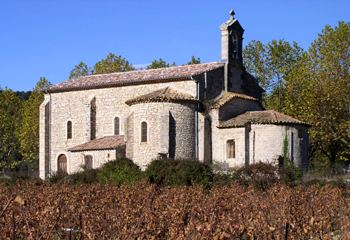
(93, 119)
(230, 148)
(69, 130)
(300, 133)
(144, 132)
(116, 126)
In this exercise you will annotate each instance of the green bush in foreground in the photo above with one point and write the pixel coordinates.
(290, 173)
(179, 172)
(120, 171)
(182, 173)
(117, 172)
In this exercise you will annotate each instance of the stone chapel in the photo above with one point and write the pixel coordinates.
(211, 112)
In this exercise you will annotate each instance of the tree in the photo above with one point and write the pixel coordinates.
(256, 62)
(112, 63)
(317, 91)
(270, 63)
(82, 69)
(28, 131)
(10, 118)
(194, 60)
(159, 63)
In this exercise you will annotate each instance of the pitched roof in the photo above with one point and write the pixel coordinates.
(105, 143)
(135, 77)
(260, 117)
(163, 95)
(227, 96)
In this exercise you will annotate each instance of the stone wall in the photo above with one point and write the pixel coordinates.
(171, 131)
(265, 143)
(237, 106)
(230, 109)
(44, 123)
(75, 160)
(214, 84)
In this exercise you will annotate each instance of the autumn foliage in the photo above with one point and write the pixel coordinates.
(148, 211)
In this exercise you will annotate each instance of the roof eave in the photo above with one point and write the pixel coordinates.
(267, 123)
(93, 149)
(130, 103)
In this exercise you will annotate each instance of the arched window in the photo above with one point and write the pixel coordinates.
(143, 132)
(116, 126)
(62, 164)
(230, 149)
(88, 161)
(69, 129)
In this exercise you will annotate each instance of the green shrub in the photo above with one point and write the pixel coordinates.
(6, 180)
(260, 175)
(57, 177)
(87, 176)
(179, 172)
(120, 171)
(290, 173)
(223, 178)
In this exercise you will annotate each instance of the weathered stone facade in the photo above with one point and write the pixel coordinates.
(180, 112)
(266, 144)
(171, 132)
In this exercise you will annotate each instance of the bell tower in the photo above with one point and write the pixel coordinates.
(231, 41)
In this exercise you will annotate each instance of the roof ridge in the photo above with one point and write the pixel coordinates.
(142, 70)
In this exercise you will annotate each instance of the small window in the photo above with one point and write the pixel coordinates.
(230, 148)
(88, 161)
(116, 126)
(143, 132)
(69, 129)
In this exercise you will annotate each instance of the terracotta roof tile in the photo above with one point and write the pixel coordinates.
(260, 117)
(105, 143)
(227, 96)
(135, 77)
(163, 95)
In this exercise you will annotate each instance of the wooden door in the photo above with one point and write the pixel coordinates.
(62, 164)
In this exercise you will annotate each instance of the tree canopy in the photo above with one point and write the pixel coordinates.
(317, 91)
(10, 119)
(28, 130)
(112, 63)
(159, 63)
(82, 69)
(194, 60)
(270, 63)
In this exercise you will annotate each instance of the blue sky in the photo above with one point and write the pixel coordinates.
(48, 38)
